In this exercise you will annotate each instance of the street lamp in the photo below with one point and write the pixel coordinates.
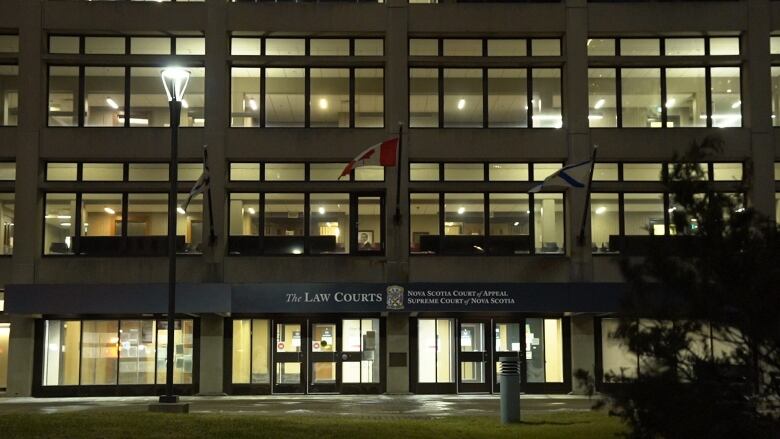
(175, 80)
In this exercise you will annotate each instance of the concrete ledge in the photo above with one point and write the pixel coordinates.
(175, 407)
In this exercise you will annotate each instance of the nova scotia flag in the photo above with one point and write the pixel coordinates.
(575, 176)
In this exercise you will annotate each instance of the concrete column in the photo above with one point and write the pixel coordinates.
(396, 98)
(212, 333)
(757, 93)
(28, 202)
(575, 92)
(398, 346)
(217, 122)
(21, 346)
(583, 349)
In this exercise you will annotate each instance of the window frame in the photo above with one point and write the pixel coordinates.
(485, 68)
(78, 220)
(126, 109)
(307, 92)
(486, 222)
(353, 221)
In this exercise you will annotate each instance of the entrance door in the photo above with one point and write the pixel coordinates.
(474, 362)
(360, 356)
(325, 359)
(507, 343)
(289, 356)
(435, 368)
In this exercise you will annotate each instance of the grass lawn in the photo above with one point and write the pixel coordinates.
(114, 424)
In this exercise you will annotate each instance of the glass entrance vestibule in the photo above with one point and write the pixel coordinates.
(319, 354)
(459, 354)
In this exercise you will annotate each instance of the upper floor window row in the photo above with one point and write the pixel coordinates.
(486, 223)
(775, 96)
(287, 46)
(156, 1)
(9, 94)
(627, 221)
(484, 47)
(119, 224)
(485, 97)
(9, 43)
(63, 171)
(677, 46)
(270, 172)
(711, 171)
(7, 214)
(653, 97)
(287, 97)
(477, 171)
(96, 96)
(126, 45)
(306, 223)
(7, 171)
(725, 171)
(774, 45)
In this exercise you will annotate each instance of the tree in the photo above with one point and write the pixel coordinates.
(702, 312)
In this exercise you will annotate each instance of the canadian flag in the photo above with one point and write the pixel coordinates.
(381, 154)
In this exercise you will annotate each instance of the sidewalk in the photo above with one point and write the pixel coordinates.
(367, 406)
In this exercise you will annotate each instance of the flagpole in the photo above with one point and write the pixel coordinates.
(212, 235)
(397, 216)
(586, 209)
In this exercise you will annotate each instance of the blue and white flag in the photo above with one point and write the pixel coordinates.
(575, 176)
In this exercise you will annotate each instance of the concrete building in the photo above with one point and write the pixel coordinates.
(311, 284)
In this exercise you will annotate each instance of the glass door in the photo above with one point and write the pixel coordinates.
(324, 359)
(507, 343)
(289, 356)
(474, 370)
(436, 348)
(544, 355)
(360, 356)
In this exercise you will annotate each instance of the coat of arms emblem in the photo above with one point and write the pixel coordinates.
(395, 297)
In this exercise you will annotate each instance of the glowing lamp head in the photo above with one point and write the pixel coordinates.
(175, 80)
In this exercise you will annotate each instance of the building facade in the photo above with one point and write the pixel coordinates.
(415, 278)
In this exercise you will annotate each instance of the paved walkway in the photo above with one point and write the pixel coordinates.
(426, 406)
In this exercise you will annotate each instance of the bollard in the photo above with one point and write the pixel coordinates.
(510, 390)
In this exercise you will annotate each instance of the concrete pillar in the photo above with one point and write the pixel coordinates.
(28, 202)
(583, 349)
(396, 98)
(397, 271)
(575, 92)
(397, 350)
(757, 92)
(217, 121)
(20, 356)
(212, 333)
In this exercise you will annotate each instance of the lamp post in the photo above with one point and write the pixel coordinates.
(175, 81)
